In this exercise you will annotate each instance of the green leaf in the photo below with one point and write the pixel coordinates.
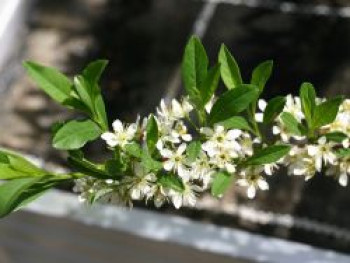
(221, 182)
(268, 155)
(52, 82)
(343, 153)
(308, 101)
(274, 108)
(134, 150)
(80, 164)
(75, 134)
(236, 122)
(194, 67)
(261, 74)
(92, 73)
(193, 150)
(171, 181)
(292, 125)
(151, 134)
(4, 159)
(326, 112)
(17, 193)
(210, 84)
(76, 104)
(336, 136)
(229, 69)
(101, 115)
(85, 92)
(149, 163)
(233, 102)
(13, 166)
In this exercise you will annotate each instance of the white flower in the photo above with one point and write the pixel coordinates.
(176, 111)
(220, 139)
(140, 183)
(246, 144)
(304, 167)
(201, 170)
(224, 159)
(185, 198)
(253, 180)
(121, 136)
(180, 131)
(293, 106)
(323, 152)
(259, 117)
(176, 160)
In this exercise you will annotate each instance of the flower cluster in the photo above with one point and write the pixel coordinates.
(191, 159)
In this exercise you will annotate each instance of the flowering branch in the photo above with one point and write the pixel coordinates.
(201, 142)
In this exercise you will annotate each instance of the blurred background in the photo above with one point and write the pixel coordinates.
(144, 40)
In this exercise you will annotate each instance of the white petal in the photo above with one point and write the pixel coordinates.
(168, 165)
(159, 145)
(322, 140)
(135, 194)
(233, 134)
(177, 200)
(263, 185)
(206, 131)
(110, 139)
(276, 130)
(230, 168)
(343, 179)
(117, 126)
(262, 104)
(312, 150)
(187, 137)
(259, 117)
(177, 109)
(131, 130)
(219, 129)
(251, 192)
(166, 153)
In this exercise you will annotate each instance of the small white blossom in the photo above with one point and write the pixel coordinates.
(121, 136)
(185, 198)
(252, 179)
(176, 160)
(323, 152)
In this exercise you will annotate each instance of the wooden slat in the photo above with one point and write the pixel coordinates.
(31, 238)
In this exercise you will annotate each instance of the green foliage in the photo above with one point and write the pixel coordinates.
(210, 84)
(194, 67)
(151, 134)
(75, 134)
(193, 150)
(222, 181)
(273, 109)
(261, 74)
(51, 81)
(236, 122)
(268, 155)
(229, 69)
(171, 181)
(292, 125)
(13, 166)
(308, 101)
(232, 102)
(326, 112)
(336, 136)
